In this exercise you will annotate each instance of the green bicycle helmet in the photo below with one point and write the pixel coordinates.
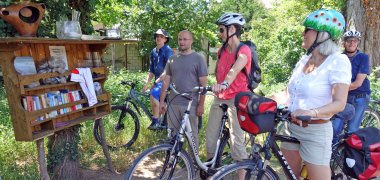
(324, 20)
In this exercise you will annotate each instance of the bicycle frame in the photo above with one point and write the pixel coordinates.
(186, 131)
(271, 144)
(133, 98)
(278, 153)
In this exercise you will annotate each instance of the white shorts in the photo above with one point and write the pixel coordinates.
(315, 142)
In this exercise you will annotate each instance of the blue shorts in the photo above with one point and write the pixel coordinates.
(156, 91)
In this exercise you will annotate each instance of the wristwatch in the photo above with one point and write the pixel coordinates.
(225, 83)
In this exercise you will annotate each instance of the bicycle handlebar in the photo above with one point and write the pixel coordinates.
(129, 83)
(196, 89)
(284, 115)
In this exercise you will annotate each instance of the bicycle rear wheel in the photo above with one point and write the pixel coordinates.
(158, 163)
(121, 128)
(250, 168)
(371, 118)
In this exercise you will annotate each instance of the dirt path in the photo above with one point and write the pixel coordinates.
(100, 174)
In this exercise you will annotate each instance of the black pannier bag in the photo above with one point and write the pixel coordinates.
(362, 154)
(256, 114)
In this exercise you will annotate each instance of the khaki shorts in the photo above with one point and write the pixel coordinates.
(315, 142)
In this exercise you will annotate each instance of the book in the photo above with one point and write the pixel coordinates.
(38, 106)
(24, 103)
(29, 102)
(59, 52)
(71, 97)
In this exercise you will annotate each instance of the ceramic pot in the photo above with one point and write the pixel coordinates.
(25, 17)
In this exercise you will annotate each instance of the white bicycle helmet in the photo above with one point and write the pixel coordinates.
(352, 34)
(230, 18)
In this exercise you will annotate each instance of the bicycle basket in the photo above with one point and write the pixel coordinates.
(256, 114)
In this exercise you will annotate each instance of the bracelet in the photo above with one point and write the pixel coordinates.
(225, 83)
(316, 112)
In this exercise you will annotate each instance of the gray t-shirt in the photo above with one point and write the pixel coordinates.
(185, 71)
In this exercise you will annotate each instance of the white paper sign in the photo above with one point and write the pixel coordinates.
(60, 53)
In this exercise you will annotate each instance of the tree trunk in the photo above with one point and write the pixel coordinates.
(364, 16)
(63, 156)
(41, 160)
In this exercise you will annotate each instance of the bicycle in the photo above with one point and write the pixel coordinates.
(169, 160)
(371, 116)
(257, 166)
(122, 125)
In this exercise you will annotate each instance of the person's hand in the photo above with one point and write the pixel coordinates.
(162, 107)
(200, 110)
(145, 87)
(217, 88)
(300, 112)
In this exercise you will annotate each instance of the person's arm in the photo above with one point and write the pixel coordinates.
(202, 97)
(234, 71)
(150, 73)
(148, 80)
(358, 81)
(364, 70)
(281, 97)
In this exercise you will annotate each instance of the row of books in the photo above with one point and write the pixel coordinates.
(51, 99)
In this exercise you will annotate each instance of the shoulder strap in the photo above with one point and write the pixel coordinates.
(237, 51)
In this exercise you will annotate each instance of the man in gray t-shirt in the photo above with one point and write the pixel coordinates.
(186, 70)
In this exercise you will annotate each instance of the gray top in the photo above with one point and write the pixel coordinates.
(185, 71)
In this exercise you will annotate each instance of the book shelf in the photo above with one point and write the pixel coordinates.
(25, 126)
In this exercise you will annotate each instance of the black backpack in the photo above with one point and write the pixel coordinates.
(254, 76)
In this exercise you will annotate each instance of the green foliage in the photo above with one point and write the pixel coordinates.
(17, 159)
(141, 18)
(375, 83)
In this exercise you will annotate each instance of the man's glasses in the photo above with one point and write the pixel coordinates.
(349, 41)
(307, 30)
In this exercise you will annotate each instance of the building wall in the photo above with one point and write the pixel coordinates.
(125, 56)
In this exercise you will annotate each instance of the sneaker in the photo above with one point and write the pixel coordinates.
(154, 126)
(163, 126)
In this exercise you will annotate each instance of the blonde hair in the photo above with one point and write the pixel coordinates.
(328, 46)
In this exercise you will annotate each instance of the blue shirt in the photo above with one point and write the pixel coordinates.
(360, 65)
(158, 59)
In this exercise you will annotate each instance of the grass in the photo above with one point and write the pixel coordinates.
(18, 160)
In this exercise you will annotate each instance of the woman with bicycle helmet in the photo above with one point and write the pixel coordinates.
(318, 87)
(359, 94)
(230, 81)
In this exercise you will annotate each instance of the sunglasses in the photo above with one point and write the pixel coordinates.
(307, 30)
(221, 30)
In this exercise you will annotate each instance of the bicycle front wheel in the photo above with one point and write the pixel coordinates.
(159, 163)
(121, 128)
(248, 169)
(371, 118)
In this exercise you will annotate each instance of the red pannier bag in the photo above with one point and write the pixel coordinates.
(256, 114)
(362, 154)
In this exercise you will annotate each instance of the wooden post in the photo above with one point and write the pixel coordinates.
(41, 160)
(104, 146)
